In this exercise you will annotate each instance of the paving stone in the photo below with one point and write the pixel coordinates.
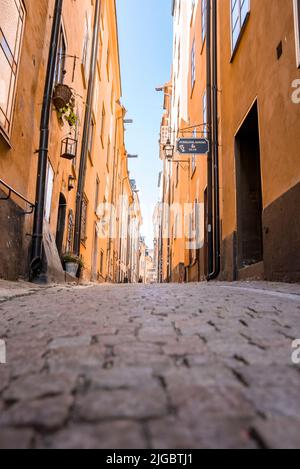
(145, 403)
(66, 342)
(11, 438)
(50, 413)
(278, 432)
(116, 434)
(42, 385)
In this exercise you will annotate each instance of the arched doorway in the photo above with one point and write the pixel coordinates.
(61, 222)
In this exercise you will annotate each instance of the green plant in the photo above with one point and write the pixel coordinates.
(68, 114)
(73, 258)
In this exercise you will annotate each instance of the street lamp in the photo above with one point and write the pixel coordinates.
(132, 156)
(169, 150)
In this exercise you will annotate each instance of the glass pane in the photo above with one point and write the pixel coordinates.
(244, 11)
(5, 73)
(9, 21)
(11, 96)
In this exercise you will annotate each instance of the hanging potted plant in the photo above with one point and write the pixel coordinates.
(62, 96)
(72, 263)
(68, 114)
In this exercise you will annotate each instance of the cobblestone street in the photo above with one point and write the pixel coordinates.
(159, 366)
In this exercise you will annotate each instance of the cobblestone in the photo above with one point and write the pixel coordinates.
(159, 366)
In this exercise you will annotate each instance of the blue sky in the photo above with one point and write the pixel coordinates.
(145, 37)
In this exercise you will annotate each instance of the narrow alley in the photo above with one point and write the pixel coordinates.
(150, 366)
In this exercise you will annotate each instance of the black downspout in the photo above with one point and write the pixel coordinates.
(86, 130)
(217, 264)
(210, 247)
(37, 236)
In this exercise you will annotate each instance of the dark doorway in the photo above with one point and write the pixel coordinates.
(249, 194)
(61, 222)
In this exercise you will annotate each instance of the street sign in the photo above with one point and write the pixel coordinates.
(193, 146)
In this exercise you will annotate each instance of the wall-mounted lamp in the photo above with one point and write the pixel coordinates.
(71, 183)
(68, 148)
(169, 150)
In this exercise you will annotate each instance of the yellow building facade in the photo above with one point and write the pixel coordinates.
(237, 204)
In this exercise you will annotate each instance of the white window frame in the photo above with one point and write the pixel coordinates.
(234, 45)
(15, 58)
(297, 30)
(49, 192)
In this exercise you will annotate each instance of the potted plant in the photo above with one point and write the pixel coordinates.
(72, 263)
(68, 114)
(62, 96)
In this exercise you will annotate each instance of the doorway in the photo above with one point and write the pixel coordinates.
(61, 222)
(249, 192)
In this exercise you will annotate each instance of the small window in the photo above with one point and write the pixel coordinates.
(61, 59)
(240, 10)
(193, 65)
(86, 46)
(97, 194)
(107, 63)
(297, 29)
(103, 125)
(84, 219)
(203, 16)
(70, 231)
(101, 261)
(108, 153)
(204, 109)
(91, 137)
(11, 32)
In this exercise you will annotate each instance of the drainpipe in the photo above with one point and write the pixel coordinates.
(86, 130)
(210, 244)
(215, 136)
(36, 261)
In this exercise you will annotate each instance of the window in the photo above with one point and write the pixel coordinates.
(107, 63)
(193, 157)
(204, 107)
(97, 194)
(240, 10)
(11, 31)
(49, 191)
(103, 125)
(193, 65)
(108, 153)
(91, 137)
(70, 231)
(83, 219)
(86, 47)
(61, 59)
(203, 16)
(101, 261)
(297, 29)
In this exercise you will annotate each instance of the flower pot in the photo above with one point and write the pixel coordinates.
(62, 95)
(71, 268)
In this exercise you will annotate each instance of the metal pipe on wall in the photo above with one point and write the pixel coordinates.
(36, 261)
(215, 140)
